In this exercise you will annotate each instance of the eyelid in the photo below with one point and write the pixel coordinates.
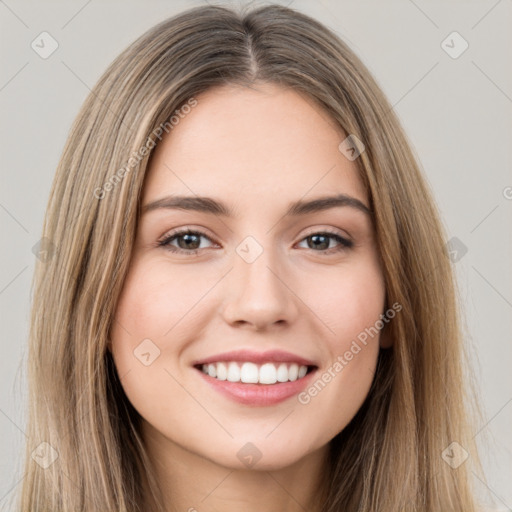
(185, 229)
(330, 231)
(204, 232)
(344, 242)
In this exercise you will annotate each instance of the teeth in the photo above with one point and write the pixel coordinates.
(282, 373)
(268, 374)
(233, 372)
(222, 371)
(293, 372)
(251, 373)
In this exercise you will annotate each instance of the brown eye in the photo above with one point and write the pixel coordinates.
(320, 242)
(188, 241)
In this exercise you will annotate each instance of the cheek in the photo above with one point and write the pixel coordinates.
(351, 308)
(346, 301)
(155, 316)
(143, 315)
(154, 301)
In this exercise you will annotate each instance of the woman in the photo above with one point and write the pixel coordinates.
(249, 305)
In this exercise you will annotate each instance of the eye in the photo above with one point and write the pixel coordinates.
(188, 241)
(321, 240)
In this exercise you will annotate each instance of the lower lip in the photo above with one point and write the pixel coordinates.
(258, 394)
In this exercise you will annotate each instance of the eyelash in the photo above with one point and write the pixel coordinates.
(165, 242)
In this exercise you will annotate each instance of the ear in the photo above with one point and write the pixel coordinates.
(385, 339)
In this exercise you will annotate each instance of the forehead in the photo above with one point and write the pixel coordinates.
(250, 146)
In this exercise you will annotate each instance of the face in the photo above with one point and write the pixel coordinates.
(256, 291)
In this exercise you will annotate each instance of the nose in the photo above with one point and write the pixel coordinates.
(258, 294)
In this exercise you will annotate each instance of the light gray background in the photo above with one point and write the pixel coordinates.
(455, 111)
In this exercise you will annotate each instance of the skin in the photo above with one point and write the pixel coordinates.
(256, 150)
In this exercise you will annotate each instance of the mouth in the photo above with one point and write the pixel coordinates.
(256, 379)
(247, 372)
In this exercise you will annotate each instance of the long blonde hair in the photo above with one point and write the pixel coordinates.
(389, 458)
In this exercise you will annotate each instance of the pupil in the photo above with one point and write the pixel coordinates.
(191, 241)
(315, 238)
(188, 237)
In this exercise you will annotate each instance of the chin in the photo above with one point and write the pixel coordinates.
(260, 453)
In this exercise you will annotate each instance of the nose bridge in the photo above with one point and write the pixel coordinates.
(257, 291)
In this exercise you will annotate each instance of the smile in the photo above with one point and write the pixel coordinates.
(252, 373)
(256, 378)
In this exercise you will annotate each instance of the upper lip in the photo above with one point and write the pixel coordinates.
(270, 356)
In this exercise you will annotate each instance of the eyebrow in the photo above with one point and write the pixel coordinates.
(214, 207)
